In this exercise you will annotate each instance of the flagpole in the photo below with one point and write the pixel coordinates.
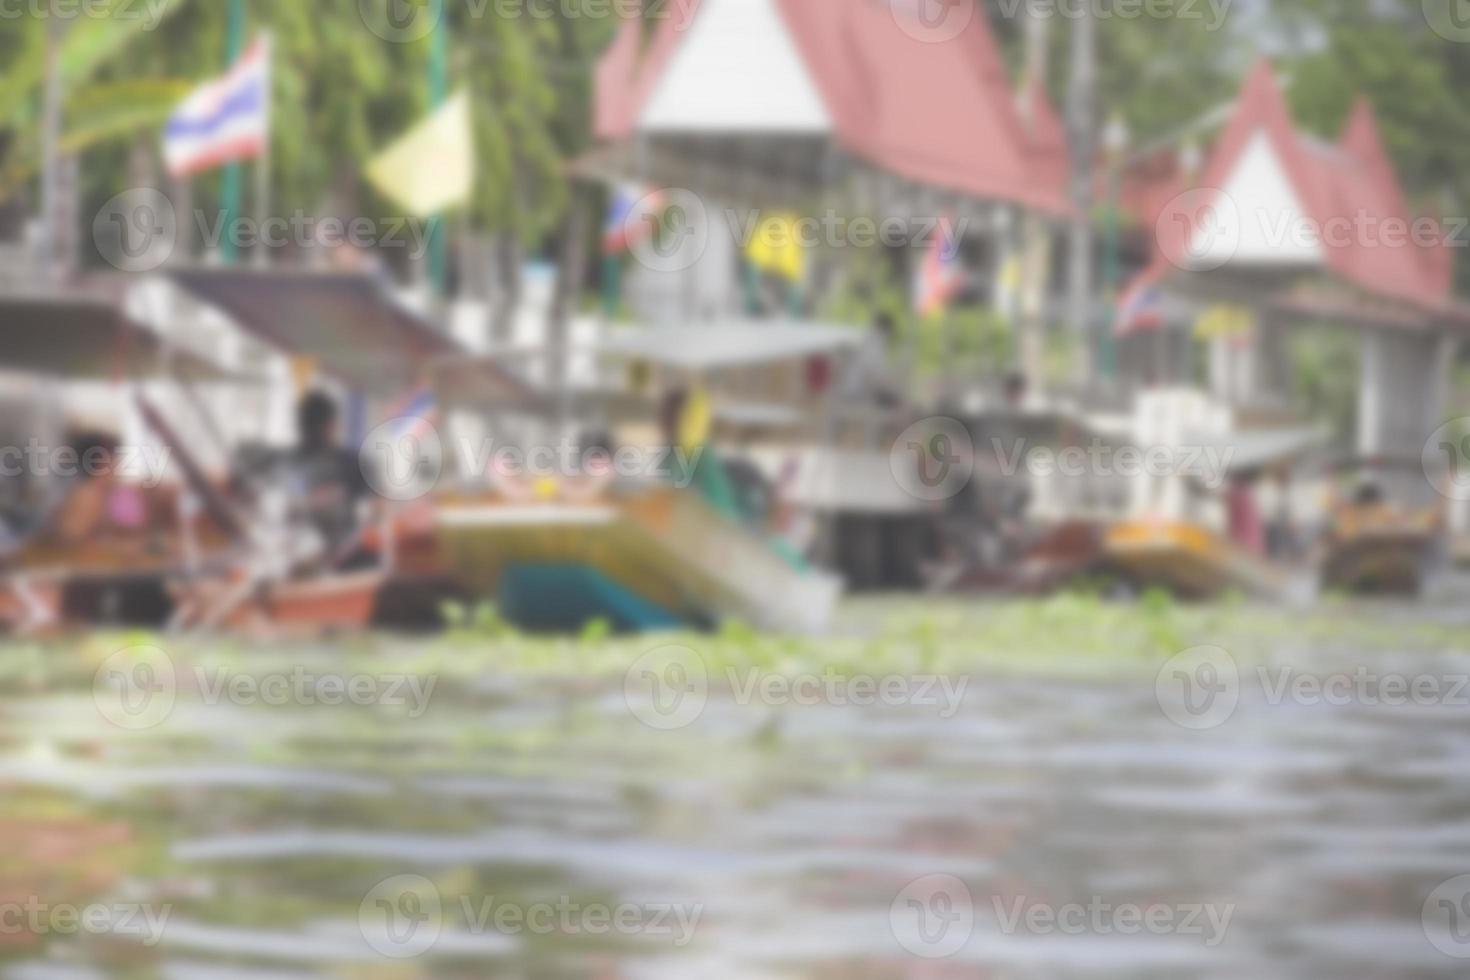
(438, 93)
(263, 163)
(230, 192)
(49, 226)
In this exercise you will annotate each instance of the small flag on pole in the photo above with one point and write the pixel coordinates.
(414, 414)
(432, 166)
(1139, 308)
(225, 120)
(632, 215)
(940, 277)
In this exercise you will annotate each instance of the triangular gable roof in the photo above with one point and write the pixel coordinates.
(1348, 190)
(736, 70)
(938, 113)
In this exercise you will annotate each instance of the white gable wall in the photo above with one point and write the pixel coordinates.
(1268, 223)
(738, 70)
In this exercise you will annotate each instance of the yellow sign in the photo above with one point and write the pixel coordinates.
(1225, 322)
(776, 247)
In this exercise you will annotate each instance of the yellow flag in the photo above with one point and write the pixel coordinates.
(698, 417)
(432, 166)
(776, 247)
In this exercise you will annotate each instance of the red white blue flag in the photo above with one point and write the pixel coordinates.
(940, 276)
(224, 120)
(414, 414)
(632, 216)
(1141, 307)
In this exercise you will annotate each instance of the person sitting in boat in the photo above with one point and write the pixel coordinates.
(99, 504)
(1243, 514)
(324, 480)
(689, 460)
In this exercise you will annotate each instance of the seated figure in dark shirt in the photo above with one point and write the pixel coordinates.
(324, 480)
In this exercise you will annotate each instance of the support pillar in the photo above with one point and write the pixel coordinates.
(1402, 388)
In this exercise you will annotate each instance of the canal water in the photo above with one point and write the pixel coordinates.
(261, 817)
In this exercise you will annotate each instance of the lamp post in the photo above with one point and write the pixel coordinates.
(1115, 146)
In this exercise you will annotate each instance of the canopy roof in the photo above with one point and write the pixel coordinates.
(732, 344)
(1253, 449)
(90, 338)
(868, 75)
(348, 323)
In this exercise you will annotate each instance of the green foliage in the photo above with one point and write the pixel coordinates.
(968, 339)
(1325, 362)
(1415, 79)
(341, 95)
(481, 621)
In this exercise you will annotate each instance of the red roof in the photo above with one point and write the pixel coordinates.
(940, 113)
(1349, 192)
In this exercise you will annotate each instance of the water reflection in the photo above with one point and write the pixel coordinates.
(790, 833)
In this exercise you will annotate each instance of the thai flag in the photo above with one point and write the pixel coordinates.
(414, 414)
(631, 215)
(940, 277)
(224, 120)
(1141, 307)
